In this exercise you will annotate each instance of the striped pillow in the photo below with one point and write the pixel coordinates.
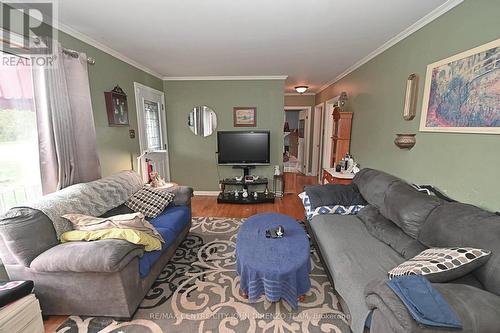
(322, 210)
(150, 201)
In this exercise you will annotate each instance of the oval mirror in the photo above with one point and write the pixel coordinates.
(202, 121)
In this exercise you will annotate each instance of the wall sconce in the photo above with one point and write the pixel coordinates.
(410, 106)
(405, 141)
(342, 100)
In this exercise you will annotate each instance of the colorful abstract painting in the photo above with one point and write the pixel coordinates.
(462, 93)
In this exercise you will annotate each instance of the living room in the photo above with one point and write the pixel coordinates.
(151, 180)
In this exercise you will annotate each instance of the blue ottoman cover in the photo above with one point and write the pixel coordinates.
(278, 268)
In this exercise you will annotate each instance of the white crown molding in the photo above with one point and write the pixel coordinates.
(297, 94)
(445, 7)
(89, 40)
(206, 193)
(224, 78)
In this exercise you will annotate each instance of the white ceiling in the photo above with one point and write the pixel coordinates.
(312, 42)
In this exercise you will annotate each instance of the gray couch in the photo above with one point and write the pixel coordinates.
(405, 222)
(99, 278)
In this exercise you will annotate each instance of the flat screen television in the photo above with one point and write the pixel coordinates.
(243, 147)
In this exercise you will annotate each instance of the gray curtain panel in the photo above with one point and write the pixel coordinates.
(66, 132)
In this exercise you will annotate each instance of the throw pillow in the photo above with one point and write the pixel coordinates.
(334, 195)
(335, 209)
(150, 201)
(442, 264)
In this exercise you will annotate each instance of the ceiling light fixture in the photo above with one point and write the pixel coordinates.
(301, 89)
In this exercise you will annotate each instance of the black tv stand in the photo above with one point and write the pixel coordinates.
(246, 169)
(230, 197)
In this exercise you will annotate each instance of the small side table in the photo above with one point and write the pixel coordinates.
(281, 179)
(330, 176)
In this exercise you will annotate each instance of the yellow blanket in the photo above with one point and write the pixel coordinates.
(133, 236)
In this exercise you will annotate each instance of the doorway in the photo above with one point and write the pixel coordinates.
(296, 139)
(152, 130)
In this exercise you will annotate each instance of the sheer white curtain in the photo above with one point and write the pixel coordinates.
(66, 132)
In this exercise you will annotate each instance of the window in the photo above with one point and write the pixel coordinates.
(153, 132)
(19, 161)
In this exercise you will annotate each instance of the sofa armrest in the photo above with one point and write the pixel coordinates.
(478, 309)
(108, 255)
(183, 195)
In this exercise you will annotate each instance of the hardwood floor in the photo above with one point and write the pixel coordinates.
(208, 206)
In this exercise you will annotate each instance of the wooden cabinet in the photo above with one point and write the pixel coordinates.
(330, 176)
(341, 135)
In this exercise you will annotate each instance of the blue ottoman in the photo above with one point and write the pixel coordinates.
(279, 267)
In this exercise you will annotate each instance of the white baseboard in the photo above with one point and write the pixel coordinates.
(207, 193)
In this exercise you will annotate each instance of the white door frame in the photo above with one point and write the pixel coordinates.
(140, 122)
(307, 139)
(317, 154)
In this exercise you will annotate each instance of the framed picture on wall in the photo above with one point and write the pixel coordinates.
(116, 107)
(245, 116)
(462, 94)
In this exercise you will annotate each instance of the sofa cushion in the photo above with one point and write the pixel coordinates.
(373, 184)
(389, 233)
(442, 264)
(109, 255)
(170, 223)
(182, 194)
(354, 258)
(27, 232)
(150, 201)
(457, 224)
(407, 207)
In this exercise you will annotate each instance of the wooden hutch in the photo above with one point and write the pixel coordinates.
(340, 145)
(341, 135)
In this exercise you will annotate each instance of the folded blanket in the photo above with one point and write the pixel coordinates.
(425, 304)
(134, 221)
(334, 194)
(133, 236)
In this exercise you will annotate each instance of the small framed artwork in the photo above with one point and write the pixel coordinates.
(462, 93)
(116, 107)
(245, 116)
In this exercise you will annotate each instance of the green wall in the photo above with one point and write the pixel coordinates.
(116, 150)
(193, 158)
(463, 165)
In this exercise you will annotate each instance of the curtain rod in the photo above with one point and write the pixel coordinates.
(75, 54)
(71, 53)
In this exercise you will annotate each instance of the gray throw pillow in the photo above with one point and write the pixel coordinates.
(442, 264)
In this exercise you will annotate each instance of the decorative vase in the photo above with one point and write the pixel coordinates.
(405, 141)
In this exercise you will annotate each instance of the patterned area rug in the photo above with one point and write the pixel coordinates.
(198, 291)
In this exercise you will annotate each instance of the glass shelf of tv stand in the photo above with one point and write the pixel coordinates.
(232, 181)
(229, 197)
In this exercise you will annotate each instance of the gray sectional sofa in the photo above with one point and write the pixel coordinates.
(98, 278)
(358, 262)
